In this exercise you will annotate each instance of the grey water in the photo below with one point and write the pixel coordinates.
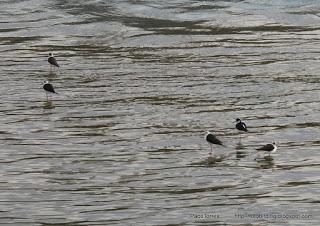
(139, 84)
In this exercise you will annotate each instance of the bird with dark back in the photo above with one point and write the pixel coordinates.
(52, 60)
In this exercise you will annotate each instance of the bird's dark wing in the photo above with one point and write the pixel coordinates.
(48, 87)
(53, 61)
(242, 126)
(267, 147)
(212, 139)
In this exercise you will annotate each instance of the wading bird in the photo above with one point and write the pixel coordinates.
(241, 126)
(269, 148)
(48, 88)
(52, 61)
(212, 139)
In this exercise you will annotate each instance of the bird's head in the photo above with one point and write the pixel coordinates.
(237, 120)
(45, 82)
(50, 54)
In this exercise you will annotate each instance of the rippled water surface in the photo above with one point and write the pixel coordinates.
(140, 82)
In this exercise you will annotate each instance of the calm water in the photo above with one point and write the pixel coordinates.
(140, 83)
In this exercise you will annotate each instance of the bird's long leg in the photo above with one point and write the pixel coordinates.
(210, 150)
(47, 96)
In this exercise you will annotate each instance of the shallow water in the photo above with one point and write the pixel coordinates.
(140, 82)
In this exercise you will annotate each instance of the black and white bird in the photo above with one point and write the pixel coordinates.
(212, 139)
(241, 125)
(48, 88)
(269, 148)
(52, 60)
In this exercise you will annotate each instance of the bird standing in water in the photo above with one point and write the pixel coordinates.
(48, 88)
(241, 126)
(212, 139)
(52, 61)
(269, 148)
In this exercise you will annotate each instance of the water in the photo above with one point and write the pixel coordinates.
(140, 83)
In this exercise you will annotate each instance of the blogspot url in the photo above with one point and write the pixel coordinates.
(247, 216)
(273, 216)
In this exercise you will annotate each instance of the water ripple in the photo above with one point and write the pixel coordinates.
(140, 82)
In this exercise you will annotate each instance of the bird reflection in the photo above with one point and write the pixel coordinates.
(265, 162)
(240, 146)
(239, 151)
(212, 159)
(52, 74)
(48, 105)
(240, 154)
